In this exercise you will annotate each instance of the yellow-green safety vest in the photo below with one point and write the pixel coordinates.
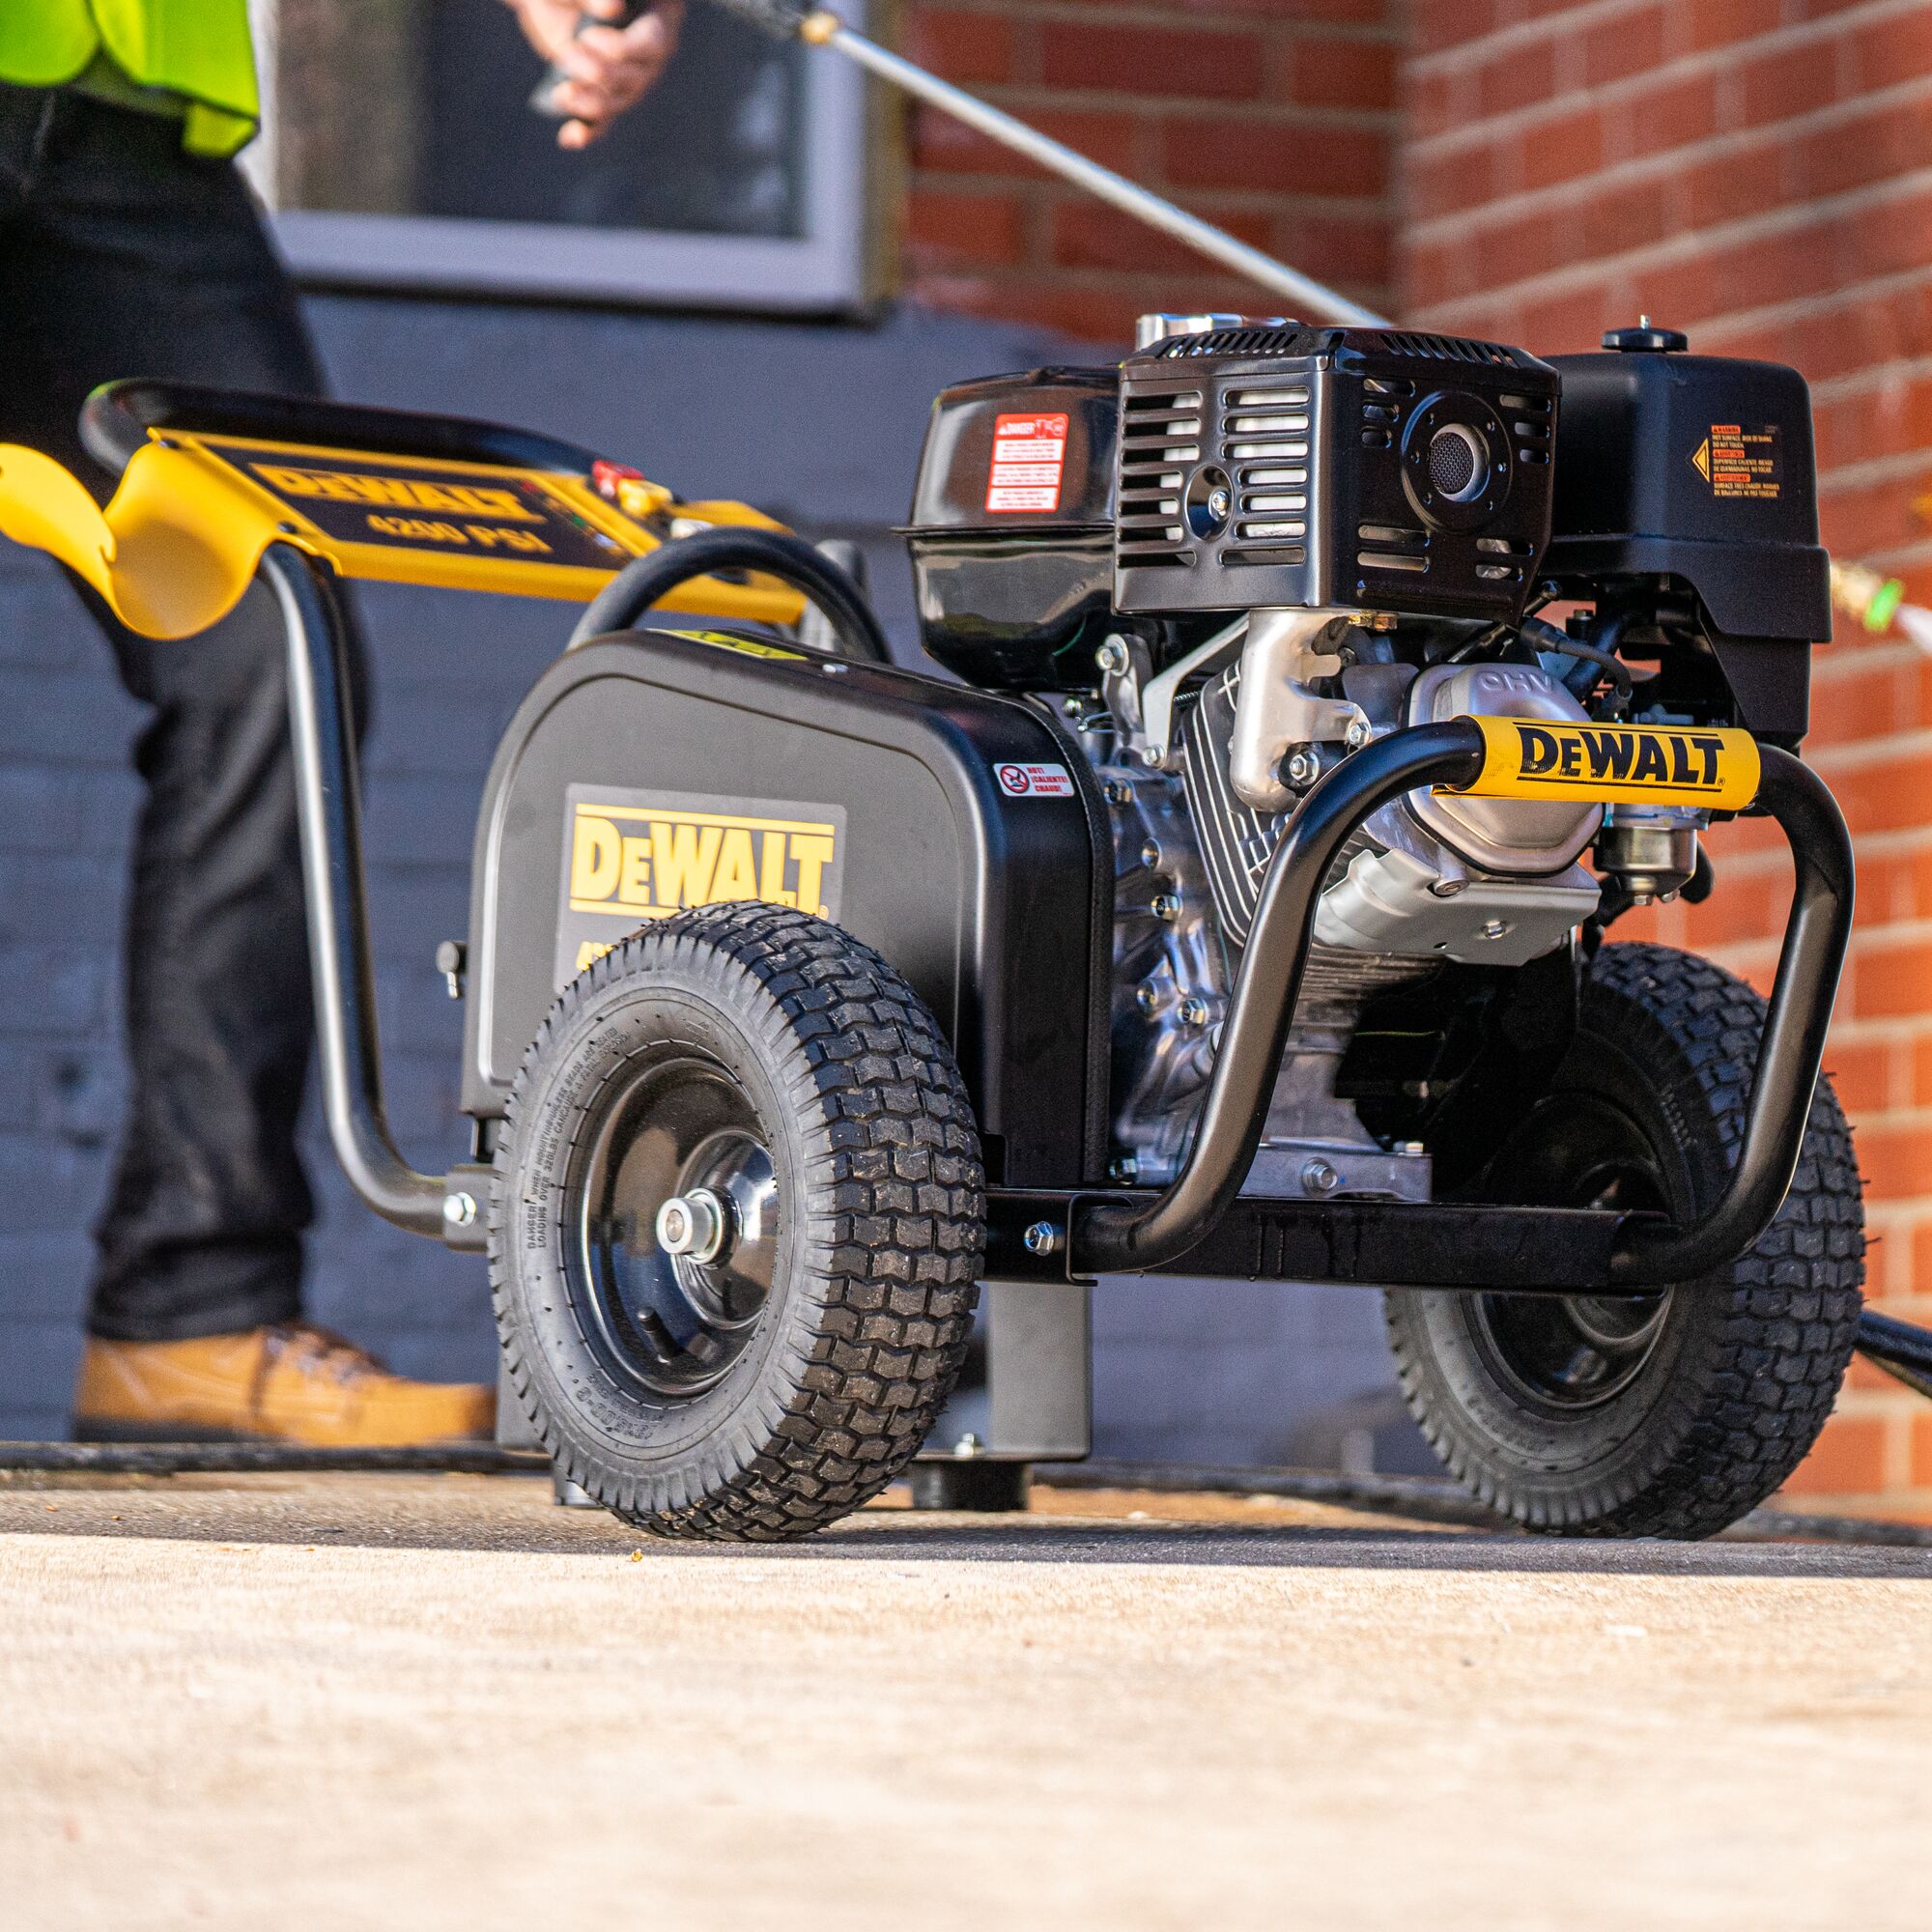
(196, 49)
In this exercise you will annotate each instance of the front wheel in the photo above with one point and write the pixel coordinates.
(737, 1227)
(1671, 1414)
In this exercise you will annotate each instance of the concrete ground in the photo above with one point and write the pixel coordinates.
(433, 1702)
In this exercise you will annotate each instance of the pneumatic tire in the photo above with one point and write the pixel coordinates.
(1615, 1417)
(764, 1381)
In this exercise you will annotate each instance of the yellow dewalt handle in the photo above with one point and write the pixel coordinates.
(170, 555)
(180, 543)
(1616, 764)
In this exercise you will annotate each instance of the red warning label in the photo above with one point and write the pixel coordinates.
(1029, 463)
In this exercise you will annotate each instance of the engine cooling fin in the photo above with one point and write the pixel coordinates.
(1236, 841)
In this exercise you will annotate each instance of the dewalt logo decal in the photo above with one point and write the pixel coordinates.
(1644, 764)
(453, 510)
(633, 856)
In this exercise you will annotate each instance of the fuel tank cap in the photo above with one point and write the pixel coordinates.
(1646, 336)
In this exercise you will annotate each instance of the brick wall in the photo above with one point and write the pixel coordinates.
(1273, 118)
(1757, 173)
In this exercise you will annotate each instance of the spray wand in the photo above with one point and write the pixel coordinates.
(819, 27)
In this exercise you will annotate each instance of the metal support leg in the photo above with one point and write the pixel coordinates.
(330, 806)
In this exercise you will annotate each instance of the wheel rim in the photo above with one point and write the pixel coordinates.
(1569, 1352)
(674, 1323)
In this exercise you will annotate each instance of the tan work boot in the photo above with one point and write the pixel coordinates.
(289, 1383)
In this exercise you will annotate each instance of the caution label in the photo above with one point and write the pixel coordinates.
(1647, 764)
(633, 856)
(1029, 463)
(1742, 460)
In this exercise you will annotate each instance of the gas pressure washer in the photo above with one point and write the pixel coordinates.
(1241, 907)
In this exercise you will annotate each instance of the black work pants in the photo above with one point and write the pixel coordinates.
(120, 255)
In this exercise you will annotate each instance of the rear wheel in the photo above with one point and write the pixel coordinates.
(738, 1226)
(1665, 1415)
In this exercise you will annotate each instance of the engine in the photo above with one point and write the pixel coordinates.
(1249, 552)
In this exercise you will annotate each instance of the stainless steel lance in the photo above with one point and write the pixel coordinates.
(820, 27)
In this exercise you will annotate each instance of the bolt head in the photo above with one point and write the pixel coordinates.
(458, 1210)
(1319, 1179)
(1154, 757)
(692, 1225)
(1118, 791)
(1043, 1239)
(1165, 905)
(1146, 996)
(1194, 1011)
(1493, 928)
(1113, 656)
(1358, 734)
(1221, 505)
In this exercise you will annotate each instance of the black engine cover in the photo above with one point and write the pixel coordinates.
(1337, 467)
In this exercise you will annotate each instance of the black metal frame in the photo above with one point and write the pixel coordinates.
(1201, 1223)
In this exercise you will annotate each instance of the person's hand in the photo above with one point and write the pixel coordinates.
(610, 68)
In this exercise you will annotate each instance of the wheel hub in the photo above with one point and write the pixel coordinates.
(1576, 1351)
(679, 1226)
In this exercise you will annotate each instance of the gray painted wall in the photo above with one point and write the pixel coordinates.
(819, 424)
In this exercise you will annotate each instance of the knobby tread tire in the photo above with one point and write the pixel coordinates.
(1767, 1340)
(872, 1321)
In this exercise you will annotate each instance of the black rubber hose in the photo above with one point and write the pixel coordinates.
(646, 581)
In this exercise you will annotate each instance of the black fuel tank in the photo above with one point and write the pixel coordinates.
(1012, 525)
(948, 829)
(1693, 467)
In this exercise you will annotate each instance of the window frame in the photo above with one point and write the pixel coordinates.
(827, 271)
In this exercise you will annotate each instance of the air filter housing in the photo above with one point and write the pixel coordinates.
(1289, 466)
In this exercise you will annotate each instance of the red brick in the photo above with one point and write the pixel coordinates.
(1431, 104)
(1560, 148)
(1355, 252)
(1514, 250)
(1624, 45)
(1621, 220)
(1695, 28)
(966, 47)
(1151, 61)
(941, 143)
(1441, 26)
(1882, 53)
(1522, 76)
(1921, 1451)
(1785, 82)
(1256, 155)
(1746, 905)
(1889, 983)
(1848, 1460)
(1087, 233)
(945, 227)
(1896, 1161)
(1922, 1073)
(1344, 73)
(1887, 795)
(1441, 184)
(1671, 114)
(1861, 1074)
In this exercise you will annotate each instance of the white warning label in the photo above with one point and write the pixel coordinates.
(1029, 462)
(1034, 781)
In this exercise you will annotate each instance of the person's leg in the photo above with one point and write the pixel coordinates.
(119, 256)
(129, 258)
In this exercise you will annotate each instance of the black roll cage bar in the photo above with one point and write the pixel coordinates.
(1201, 1223)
